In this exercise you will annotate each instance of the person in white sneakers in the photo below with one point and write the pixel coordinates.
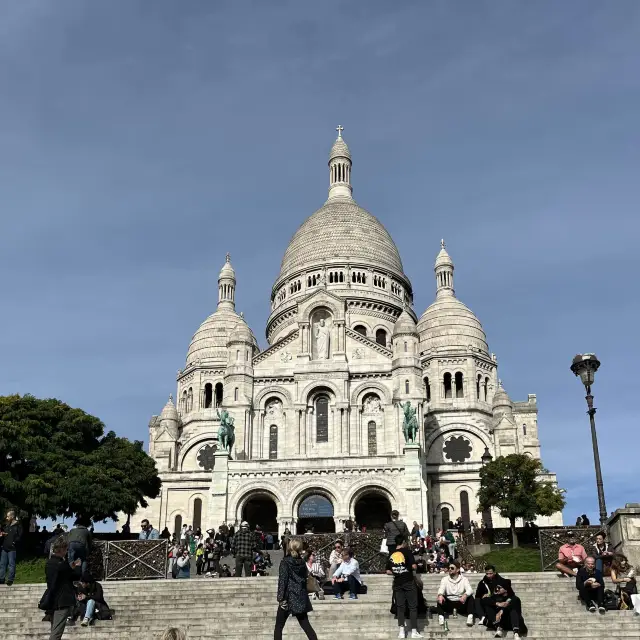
(455, 593)
(504, 611)
(402, 566)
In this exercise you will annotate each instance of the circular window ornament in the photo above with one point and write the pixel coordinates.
(457, 449)
(206, 458)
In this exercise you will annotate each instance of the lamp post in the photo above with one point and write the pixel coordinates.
(486, 457)
(585, 365)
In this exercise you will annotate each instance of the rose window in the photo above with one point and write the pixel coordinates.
(206, 458)
(457, 449)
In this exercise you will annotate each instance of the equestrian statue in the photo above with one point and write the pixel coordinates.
(226, 431)
(409, 424)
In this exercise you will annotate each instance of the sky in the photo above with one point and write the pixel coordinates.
(141, 141)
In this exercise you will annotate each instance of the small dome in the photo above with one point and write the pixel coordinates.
(340, 149)
(501, 401)
(169, 412)
(209, 342)
(405, 325)
(448, 324)
(443, 258)
(227, 270)
(242, 333)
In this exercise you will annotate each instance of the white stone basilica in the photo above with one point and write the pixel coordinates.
(318, 421)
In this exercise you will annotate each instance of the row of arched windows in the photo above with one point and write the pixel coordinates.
(336, 276)
(295, 286)
(381, 334)
(379, 281)
(359, 277)
(444, 278)
(340, 172)
(453, 386)
(313, 280)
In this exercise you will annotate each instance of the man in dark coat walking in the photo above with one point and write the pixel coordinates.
(60, 595)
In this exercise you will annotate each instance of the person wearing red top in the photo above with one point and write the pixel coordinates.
(571, 557)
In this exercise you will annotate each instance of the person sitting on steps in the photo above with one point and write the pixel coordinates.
(485, 590)
(571, 557)
(590, 586)
(455, 593)
(504, 611)
(347, 576)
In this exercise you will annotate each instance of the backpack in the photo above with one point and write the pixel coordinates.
(611, 600)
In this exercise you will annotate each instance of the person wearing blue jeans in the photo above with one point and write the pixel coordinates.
(603, 552)
(10, 536)
(347, 576)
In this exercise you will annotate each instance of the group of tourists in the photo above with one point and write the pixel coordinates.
(589, 572)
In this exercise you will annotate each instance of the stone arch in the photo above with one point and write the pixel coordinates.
(238, 500)
(307, 392)
(380, 486)
(196, 441)
(364, 323)
(361, 390)
(303, 491)
(319, 302)
(203, 508)
(262, 397)
(479, 433)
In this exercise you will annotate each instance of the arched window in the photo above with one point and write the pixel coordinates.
(459, 385)
(486, 388)
(464, 509)
(197, 513)
(177, 526)
(524, 429)
(184, 401)
(341, 277)
(235, 394)
(478, 381)
(406, 346)
(372, 438)
(427, 388)
(219, 394)
(381, 337)
(237, 354)
(273, 442)
(190, 399)
(322, 419)
(361, 329)
(406, 386)
(445, 516)
(208, 395)
(447, 385)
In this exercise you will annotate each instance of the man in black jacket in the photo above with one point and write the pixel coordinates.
(485, 590)
(590, 586)
(61, 594)
(10, 536)
(395, 527)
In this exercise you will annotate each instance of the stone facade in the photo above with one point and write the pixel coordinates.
(318, 411)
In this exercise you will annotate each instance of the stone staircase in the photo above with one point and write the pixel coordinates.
(232, 608)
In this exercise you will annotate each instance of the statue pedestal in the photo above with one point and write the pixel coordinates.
(624, 532)
(218, 493)
(415, 488)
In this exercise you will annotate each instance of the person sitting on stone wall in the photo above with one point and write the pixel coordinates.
(571, 557)
(335, 559)
(603, 553)
(590, 586)
(347, 576)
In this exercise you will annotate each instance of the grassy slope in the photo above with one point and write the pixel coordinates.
(506, 560)
(30, 571)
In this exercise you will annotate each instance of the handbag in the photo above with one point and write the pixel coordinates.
(312, 585)
(46, 601)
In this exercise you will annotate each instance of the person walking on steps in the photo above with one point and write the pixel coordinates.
(293, 599)
(402, 566)
(395, 527)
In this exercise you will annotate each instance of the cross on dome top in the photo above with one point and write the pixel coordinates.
(339, 129)
(442, 244)
(228, 256)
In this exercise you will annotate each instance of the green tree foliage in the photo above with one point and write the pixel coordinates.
(512, 484)
(56, 461)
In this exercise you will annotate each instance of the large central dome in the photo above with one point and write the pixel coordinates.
(341, 230)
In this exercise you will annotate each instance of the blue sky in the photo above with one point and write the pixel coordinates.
(141, 141)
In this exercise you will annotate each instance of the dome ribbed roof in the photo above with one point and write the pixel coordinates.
(341, 229)
(169, 412)
(242, 332)
(340, 149)
(449, 324)
(405, 325)
(209, 342)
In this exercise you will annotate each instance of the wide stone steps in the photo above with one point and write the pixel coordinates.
(232, 608)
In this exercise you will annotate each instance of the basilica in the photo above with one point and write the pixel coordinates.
(318, 414)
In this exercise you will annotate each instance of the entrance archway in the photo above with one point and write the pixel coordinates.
(372, 510)
(315, 515)
(261, 510)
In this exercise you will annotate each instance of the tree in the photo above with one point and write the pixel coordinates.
(56, 461)
(512, 484)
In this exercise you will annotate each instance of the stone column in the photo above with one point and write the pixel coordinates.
(624, 532)
(414, 486)
(218, 497)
